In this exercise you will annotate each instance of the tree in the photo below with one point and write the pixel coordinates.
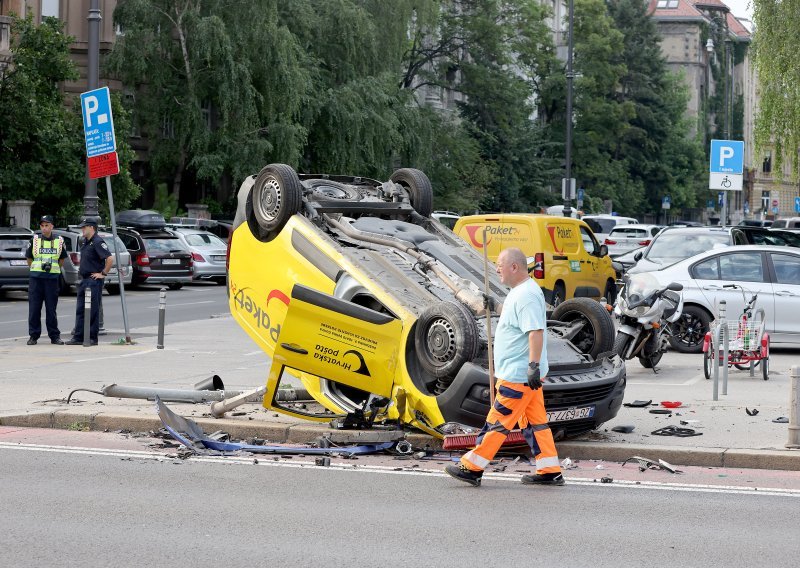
(41, 140)
(218, 85)
(775, 60)
(662, 157)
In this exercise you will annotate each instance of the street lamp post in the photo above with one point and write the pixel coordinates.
(90, 200)
(568, 145)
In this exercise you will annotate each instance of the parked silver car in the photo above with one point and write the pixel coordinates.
(625, 238)
(69, 272)
(14, 242)
(208, 253)
(772, 272)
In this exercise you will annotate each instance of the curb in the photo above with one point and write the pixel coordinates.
(787, 460)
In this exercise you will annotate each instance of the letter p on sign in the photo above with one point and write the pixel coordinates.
(727, 157)
(725, 153)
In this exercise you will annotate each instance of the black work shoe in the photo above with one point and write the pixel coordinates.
(74, 341)
(57, 341)
(464, 474)
(32, 341)
(543, 479)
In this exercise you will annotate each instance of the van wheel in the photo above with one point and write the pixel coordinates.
(559, 294)
(445, 338)
(597, 334)
(419, 189)
(274, 198)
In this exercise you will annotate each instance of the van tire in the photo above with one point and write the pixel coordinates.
(558, 295)
(446, 337)
(597, 336)
(420, 190)
(274, 198)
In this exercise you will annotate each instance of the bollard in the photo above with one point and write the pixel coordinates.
(719, 349)
(87, 316)
(162, 311)
(794, 409)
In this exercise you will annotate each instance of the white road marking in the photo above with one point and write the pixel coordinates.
(113, 356)
(12, 321)
(266, 460)
(14, 338)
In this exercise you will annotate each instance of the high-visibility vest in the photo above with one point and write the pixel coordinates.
(47, 249)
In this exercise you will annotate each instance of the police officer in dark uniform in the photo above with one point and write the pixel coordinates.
(45, 255)
(96, 261)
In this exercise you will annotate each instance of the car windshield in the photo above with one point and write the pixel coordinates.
(204, 240)
(601, 225)
(163, 245)
(670, 248)
(13, 243)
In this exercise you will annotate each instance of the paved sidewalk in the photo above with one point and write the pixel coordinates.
(36, 379)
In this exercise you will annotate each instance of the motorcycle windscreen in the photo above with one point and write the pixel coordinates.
(336, 340)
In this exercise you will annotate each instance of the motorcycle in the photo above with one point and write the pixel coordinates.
(645, 310)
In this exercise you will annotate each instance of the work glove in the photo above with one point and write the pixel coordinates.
(489, 303)
(534, 376)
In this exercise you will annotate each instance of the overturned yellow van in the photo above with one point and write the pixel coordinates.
(564, 256)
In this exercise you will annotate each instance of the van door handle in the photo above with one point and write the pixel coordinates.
(785, 293)
(294, 348)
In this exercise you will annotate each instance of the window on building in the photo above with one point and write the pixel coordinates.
(766, 166)
(119, 30)
(205, 110)
(50, 8)
(167, 128)
(667, 4)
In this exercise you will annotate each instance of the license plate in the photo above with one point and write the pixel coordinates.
(19, 263)
(218, 257)
(575, 413)
(171, 261)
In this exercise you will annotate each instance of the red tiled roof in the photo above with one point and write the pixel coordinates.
(712, 4)
(736, 27)
(685, 9)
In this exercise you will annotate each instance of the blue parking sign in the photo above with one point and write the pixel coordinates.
(727, 156)
(797, 204)
(98, 122)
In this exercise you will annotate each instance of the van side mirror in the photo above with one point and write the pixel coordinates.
(603, 251)
(638, 256)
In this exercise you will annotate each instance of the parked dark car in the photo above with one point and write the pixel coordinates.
(14, 242)
(157, 255)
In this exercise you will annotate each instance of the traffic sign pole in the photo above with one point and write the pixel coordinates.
(102, 161)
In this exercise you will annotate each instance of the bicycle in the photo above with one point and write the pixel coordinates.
(748, 342)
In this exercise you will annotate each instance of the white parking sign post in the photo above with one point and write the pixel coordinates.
(726, 167)
(101, 155)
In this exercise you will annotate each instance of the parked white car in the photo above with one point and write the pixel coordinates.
(772, 272)
(602, 225)
(625, 238)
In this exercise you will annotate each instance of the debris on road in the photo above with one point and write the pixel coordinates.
(191, 435)
(676, 431)
(660, 411)
(751, 412)
(671, 403)
(606, 479)
(567, 463)
(647, 463)
(781, 420)
(639, 403)
(623, 428)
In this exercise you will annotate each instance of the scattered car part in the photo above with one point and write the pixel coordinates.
(623, 429)
(676, 431)
(751, 412)
(660, 411)
(671, 403)
(323, 461)
(781, 420)
(606, 479)
(468, 441)
(191, 435)
(646, 463)
(639, 403)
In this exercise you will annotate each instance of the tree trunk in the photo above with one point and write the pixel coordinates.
(178, 177)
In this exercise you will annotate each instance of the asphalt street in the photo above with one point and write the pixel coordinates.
(192, 302)
(71, 506)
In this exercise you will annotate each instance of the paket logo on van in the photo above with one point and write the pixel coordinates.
(244, 303)
(559, 233)
(472, 232)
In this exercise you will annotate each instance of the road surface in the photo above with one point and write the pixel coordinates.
(192, 302)
(100, 501)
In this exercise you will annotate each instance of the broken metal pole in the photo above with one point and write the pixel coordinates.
(171, 395)
(218, 409)
(794, 409)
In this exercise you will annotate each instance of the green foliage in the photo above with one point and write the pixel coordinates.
(165, 202)
(41, 141)
(777, 126)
